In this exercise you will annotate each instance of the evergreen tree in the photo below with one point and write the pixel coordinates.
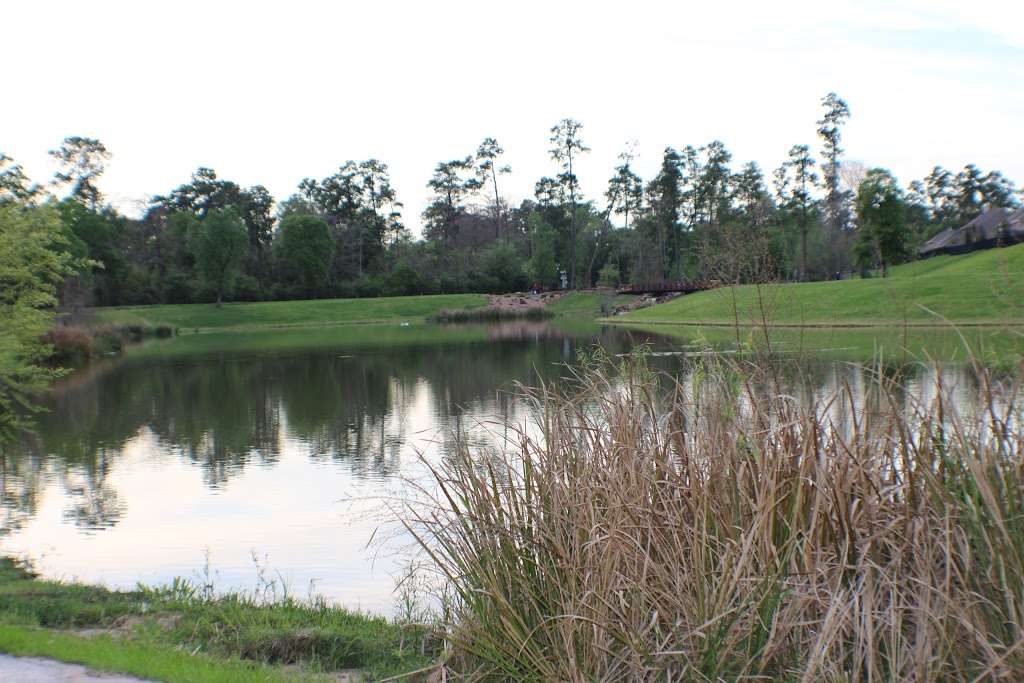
(82, 161)
(566, 148)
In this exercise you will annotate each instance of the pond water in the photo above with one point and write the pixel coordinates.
(217, 456)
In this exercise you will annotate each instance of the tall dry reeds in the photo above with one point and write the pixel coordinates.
(722, 530)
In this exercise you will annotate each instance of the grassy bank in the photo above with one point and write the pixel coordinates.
(986, 287)
(726, 530)
(72, 344)
(993, 346)
(589, 304)
(177, 634)
(317, 312)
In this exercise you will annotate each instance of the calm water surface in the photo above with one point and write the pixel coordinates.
(290, 447)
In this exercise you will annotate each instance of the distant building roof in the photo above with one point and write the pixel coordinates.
(939, 241)
(989, 225)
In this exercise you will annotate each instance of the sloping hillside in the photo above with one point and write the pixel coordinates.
(983, 287)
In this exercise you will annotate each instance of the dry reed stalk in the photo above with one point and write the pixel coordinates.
(723, 530)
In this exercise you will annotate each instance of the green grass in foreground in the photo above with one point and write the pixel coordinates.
(156, 662)
(174, 634)
(983, 287)
(293, 313)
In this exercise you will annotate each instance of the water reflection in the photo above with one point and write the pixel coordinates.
(281, 433)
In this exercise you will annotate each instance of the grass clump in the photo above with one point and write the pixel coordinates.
(75, 343)
(723, 530)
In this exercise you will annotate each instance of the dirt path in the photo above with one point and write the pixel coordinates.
(38, 670)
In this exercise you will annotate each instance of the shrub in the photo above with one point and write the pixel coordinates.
(70, 344)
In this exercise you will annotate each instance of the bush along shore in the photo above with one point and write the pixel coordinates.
(72, 344)
(724, 530)
(183, 632)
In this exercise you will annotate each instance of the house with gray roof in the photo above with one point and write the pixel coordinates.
(993, 228)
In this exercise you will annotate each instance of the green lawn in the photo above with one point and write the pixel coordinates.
(984, 287)
(175, 634)
(204, 317)
(146, 660)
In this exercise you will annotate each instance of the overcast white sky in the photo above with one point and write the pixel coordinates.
(272, 92)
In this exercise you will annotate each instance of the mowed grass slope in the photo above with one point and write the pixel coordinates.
(983, 287)
(293, 313)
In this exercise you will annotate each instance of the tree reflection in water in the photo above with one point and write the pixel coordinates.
(223, 411)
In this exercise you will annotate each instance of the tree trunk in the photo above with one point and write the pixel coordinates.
(497, 206)
(803, 248)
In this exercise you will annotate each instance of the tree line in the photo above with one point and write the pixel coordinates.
(211, 240)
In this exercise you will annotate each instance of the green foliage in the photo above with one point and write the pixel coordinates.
(219, 245)
(609, 275)
(307, 250)
(33, 263)
(882, 235)
(405, 281)
(542, 267)
(502, 270)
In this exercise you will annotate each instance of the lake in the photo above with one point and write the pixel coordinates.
(217, 456)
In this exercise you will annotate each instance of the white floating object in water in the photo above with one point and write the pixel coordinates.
(404, 324)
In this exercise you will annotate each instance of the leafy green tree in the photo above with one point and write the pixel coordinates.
(405, 280)
(882, 235)
(82, 162)
(542, 266)
(220, 244)
(566, 148)
(100, 232)
(206, 192)
(34, 261)
(307, 249)
(609, 275)
(502, 269)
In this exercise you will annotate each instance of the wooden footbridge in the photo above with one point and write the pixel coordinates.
(669, 287)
